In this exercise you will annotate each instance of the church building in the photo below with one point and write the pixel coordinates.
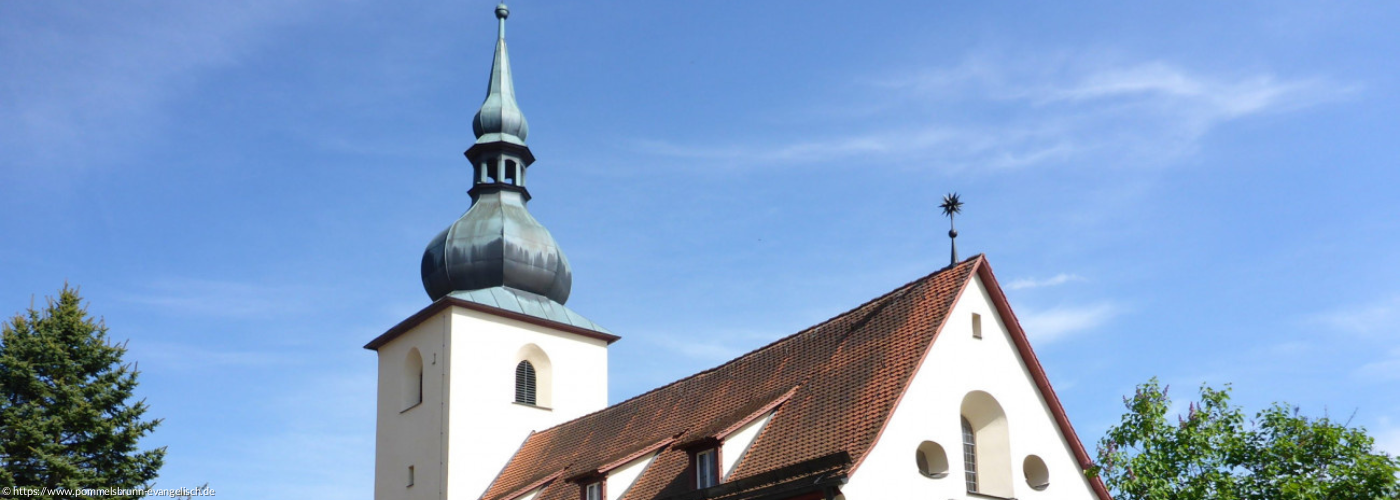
(498, 391)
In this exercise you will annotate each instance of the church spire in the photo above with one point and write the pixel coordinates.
(500, 156)
(497, 245)
(500, 118)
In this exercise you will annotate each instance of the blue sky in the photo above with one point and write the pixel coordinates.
(1199, 192)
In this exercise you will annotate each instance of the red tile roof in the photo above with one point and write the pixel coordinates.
(836, 384)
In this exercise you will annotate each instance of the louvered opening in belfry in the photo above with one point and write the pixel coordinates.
(525, 383)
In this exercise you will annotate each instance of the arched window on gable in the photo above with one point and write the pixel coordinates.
(412, 379)
(969, 440)
(525, 383)
(986, 446)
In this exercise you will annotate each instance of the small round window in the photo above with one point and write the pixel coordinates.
(1037, 475)
(932, 461)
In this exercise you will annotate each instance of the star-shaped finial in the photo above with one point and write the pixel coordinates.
(951, 205)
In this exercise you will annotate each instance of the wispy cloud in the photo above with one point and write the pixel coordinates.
(1056, 280)
(223, 299)
(1381, 316)
(97, 79)
(1387, 368)
(713, 347)
(1066, 111)
(187, 357)
(322, 427)
(1290, 348)
(1052, 325)
(1388, 437)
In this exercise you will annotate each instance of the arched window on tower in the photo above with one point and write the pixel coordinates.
(534, 377)
(525, 383)
(412, 379)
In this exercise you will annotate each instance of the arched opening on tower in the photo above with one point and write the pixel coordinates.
(534, 377)
(412, 379)
(511, 173)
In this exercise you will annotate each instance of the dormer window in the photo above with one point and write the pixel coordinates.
(706, 469)
(593, 491)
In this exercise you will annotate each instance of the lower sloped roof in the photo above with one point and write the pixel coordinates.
(837, 384)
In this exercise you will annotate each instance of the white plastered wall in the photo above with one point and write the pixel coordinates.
(621, 479)
(486, 426)
(930, 410)
(737, 444)
(411, 436)
(469, 360)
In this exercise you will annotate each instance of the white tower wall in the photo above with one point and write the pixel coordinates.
(468, 424)
(412, 436)
(488, 425)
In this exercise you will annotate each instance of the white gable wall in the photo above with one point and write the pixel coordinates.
(737, 444)
(931, 408)
(620, 480)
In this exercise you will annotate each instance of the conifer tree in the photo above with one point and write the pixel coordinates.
(67, 418)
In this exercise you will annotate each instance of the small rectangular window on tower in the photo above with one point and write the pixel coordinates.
(410, 476)
(976, 326)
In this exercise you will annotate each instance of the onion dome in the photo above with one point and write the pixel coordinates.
(497, 243)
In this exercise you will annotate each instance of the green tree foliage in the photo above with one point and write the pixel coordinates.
(1214, 452)
(67, 419)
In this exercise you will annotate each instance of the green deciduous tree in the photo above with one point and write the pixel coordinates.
(1214, 452)
(67, 419)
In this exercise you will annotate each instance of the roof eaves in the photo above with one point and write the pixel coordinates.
(655, 447)
(721, 435)
(827, 469)
(447, 300)
(532, 486)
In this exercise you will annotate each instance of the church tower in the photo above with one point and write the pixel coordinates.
(497, 355)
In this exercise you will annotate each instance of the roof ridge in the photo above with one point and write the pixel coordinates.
(889, 294)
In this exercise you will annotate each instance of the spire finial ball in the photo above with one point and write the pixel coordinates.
(502, 11)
